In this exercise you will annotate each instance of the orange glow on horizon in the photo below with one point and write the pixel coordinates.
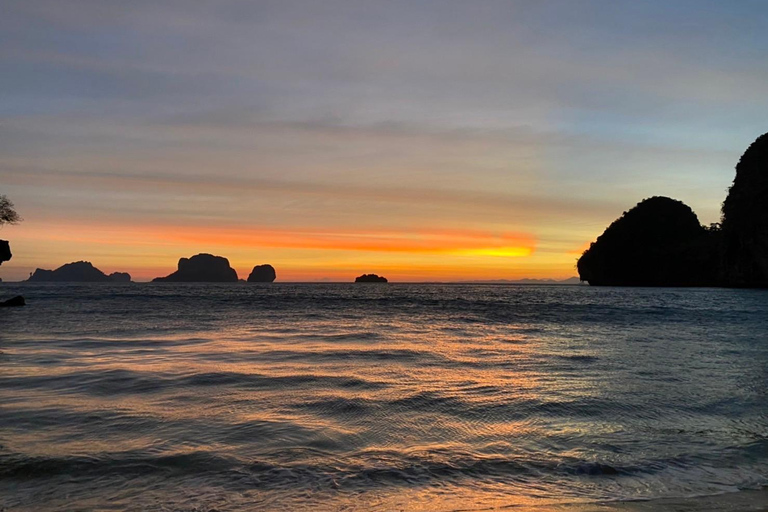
(298, 254)
(449, 242)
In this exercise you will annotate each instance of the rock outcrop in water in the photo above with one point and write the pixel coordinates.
(202, 268)
(745, 220)
(370, 278)
(262, 274)
(77, 272)
(661, 243)
(5, 251)
(17, 301)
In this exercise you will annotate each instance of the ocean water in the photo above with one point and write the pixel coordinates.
(378, 397)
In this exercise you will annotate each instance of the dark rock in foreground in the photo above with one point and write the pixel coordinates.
(14, 302)
(5, 251)
(77, 272)
(202, 268)
(659, 242)
(262, 274)
(370, 278)
(745, 220)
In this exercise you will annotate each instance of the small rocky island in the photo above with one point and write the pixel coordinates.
(660, 242)
(370, 278)
(262, 274)
(77, 272)
(202, 268)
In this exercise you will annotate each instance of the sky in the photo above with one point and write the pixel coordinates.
(421, 140)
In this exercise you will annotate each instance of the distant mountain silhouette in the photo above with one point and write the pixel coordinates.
(5, 251)
(370, 278)
(79, 271)
(660, 242)
(202, 268)
(262, 274)
(570, 280)
(745, 220)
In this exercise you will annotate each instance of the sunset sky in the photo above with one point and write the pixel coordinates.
(422, 140)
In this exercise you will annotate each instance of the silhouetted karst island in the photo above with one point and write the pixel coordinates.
(659, 242)
(262, 274)
(5, 251)
(745, 220)
(202, 268)
(79, 271)
(370, 278)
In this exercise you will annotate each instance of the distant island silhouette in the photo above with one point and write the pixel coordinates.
(660, 242)
(370, 278)
(78, 271)
(569, 281)
(262, 274)
(202, 268)
(120, 277)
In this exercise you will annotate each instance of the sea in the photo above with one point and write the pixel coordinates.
(441, 397)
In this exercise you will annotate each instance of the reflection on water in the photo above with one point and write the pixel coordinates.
(307, 397)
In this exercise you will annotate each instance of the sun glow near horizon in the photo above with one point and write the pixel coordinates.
(297, 254)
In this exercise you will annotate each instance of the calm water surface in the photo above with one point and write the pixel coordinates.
(371, 397)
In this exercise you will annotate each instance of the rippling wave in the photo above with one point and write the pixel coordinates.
(329, 397)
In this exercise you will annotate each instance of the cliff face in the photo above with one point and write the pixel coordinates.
(5, 251)
(79, 271)
(202, 268)
(745, 220)
(659, 242)
(262, 274)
